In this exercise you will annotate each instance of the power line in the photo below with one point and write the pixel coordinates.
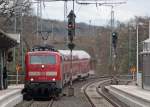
(100, 2)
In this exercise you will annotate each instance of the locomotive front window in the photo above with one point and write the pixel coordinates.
(51, 59)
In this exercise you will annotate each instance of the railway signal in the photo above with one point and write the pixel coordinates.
(71, 25)
(114, 39)
(71, 46)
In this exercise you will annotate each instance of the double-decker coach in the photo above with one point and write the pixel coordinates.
(80, 64)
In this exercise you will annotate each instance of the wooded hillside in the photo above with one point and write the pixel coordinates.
(94, 39)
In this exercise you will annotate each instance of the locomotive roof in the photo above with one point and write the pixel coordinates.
(81, 54)
(45, 52)
(76, 54)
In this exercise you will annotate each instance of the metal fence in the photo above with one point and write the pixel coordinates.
(16, 79)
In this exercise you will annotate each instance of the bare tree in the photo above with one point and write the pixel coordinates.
(10, 8)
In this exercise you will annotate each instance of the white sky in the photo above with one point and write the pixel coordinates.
(98, 15)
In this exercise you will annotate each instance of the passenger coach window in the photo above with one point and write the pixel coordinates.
(43, 59)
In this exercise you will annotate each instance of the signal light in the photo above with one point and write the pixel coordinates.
(114, 39)
(71, 25)
(71, 46)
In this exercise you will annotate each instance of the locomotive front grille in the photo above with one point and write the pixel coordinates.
(50, 73)
(34, 73)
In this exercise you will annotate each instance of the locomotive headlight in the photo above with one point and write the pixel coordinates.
(43, 66)
(31, 79)
(53, 79)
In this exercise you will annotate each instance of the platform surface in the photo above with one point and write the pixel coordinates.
(11, 96)
(134, 91)
(11, 89)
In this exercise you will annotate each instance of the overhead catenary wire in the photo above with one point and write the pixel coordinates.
(100, 2)
(78, 10)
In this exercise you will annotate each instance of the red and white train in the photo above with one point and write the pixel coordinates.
(47, 71)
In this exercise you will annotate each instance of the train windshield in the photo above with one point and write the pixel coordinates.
(48, 59)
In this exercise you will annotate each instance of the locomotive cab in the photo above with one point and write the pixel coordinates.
(43, 75)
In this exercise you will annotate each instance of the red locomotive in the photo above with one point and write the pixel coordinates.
(48, 70)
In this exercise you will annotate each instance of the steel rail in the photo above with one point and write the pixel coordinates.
(51, 103)
(85, 88)
(30, 104)
(105, 96)
(114, 101)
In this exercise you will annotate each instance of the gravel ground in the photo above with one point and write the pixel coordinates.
(78, 100)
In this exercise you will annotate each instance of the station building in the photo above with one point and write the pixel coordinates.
(7, 41)
(145, 64)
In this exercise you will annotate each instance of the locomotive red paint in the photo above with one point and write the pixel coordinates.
(48, 71)
(42, 71)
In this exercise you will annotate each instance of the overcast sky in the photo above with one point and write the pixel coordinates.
(99, 15)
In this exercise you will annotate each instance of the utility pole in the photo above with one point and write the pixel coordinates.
(112, 29)
(65, 17)
(149, 29)
(52, 29)
(37, 21)
(14, 50)
(65, 10)
(22, 48)
(89, 25)
(113, 46)
(137, 51)
(129, 48)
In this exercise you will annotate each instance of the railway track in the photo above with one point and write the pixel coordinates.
(98, 96)
(51, 103)
(42, 103)
(90, 91)
(92, 84)
(37, 103)
(110, 98)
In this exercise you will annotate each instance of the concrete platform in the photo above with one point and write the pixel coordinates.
(132, 95)
(11, 96)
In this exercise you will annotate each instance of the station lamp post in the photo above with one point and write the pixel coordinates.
(137, 52)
